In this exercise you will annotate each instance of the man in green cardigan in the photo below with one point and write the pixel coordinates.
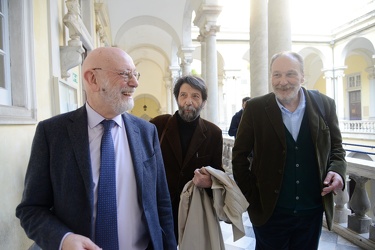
(298, 160)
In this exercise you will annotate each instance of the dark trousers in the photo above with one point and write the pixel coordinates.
(289, 232)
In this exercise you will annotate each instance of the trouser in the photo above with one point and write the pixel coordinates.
(289, 232)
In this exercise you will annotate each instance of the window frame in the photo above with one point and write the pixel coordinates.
(23, 108)
(5, 92)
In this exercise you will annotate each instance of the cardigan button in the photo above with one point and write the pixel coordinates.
(277, 191)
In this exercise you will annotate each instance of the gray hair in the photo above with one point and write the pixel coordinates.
(292, 54)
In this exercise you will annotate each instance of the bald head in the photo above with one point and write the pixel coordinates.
(104, 57)
(107, 91)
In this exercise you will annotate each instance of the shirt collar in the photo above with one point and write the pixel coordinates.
(94, 118)
(301, 105)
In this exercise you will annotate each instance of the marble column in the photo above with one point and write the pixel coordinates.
(201, 38)
(371, 77)
(330, 90)
(175, 74)
(205, 19)
(168, 90)
(279, 27)
(339, 93)
(222, 113)
(258, 48)
(211, 74)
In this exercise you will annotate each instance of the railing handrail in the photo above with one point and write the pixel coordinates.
(345, 145)
(358, 145)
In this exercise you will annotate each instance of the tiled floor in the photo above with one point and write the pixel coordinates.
(328, 240)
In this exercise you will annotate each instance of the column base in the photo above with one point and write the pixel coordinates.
(341, 215)
(372, 232)
(359, 224)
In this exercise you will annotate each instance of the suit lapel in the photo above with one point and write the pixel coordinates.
(276, 121)
(313, 117)
(173, 138)
(78, 134)
(135, 146)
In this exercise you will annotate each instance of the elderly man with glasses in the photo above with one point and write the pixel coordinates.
(67, 189)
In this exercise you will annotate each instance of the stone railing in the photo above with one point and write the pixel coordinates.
(355, 226)
(358, 129)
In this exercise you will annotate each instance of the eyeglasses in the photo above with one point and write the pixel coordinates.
(127, 75)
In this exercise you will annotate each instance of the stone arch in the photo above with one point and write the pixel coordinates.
(361, 46)
(146, 106)
(148, 20)
(314, 62)
(154, 54)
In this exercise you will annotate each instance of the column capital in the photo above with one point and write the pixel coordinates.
(207, 14)
(186, 55)
(211, 29)
(371, 72)
(334, 73)
(328, 73)
(201, 38)
(175, 71)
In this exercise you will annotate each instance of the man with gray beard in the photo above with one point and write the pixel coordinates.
(188, 142)
(69, 186)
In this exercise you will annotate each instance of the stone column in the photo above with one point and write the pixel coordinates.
(258, 48)
(330, 90)
(186, 55)
(339, 92)
(175, 74)
(211, 74)
(202, 40)
(205, 19)
(222, 113)
(279, 26)
(371, 77)
(168, 89)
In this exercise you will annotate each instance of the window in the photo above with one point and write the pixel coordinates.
(355, 105)
(17, 97)
(5, 88)
(354, 81)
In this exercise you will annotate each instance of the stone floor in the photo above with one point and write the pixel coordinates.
(328, 240)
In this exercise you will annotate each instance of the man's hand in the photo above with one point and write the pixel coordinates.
(78, 242)
(202, 178)
(333, 182)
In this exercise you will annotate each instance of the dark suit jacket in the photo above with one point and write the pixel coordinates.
(58, 196)
(234, 123)
(262, 131)
(205, 149)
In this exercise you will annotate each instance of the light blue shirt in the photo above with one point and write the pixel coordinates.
(293, 120)
(132, 227)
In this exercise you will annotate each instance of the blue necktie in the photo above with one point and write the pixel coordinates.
(106, 235)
